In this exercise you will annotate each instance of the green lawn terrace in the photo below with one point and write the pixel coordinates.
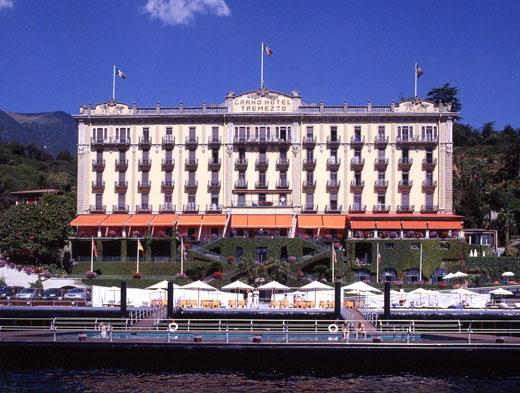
(294, 261)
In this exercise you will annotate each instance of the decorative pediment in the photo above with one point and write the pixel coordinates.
(416, 105)
(111, 108)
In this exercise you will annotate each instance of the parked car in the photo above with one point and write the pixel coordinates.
(9, 291)
(79, 294)
(29, 293)
(53, 293)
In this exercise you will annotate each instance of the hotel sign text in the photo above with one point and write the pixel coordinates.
(262, 105)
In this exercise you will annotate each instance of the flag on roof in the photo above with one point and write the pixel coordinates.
(419, 71)
(120, 73)
(268, 51)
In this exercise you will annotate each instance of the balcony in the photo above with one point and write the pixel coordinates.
(168, 165)
(98, 187)
(380, 164)
(120, 209)
(428, 140)
(241, 184)
(190, 208)
(167, 186)
(380, 140)
(404, 164)
(121, 165)
(333, 143)
(357, 208)
(406, 140)
(144, 165)
(310, 209)
(333, 164)
(405, 209)
(429, 165)
(167, 208)
(143, 209)
(309, 142)
(309, 164)
(334, 209)
(357, 140)
(429, 185)
(168, 142)
(214, 142)
(191, 186)
(242, 139)
(429, 209)
(120, 187)
(191, 142)
(282, 184)
(309, 186)
(380, 185)
(145, 142)
(261, 185)
(144, 187)
(214, 208)
(357, 185)
(214, 165)
(405, 185)
(241, 164)
(214, 186)
(118, 143)
(261, 164)
(333, 185)
(98, 165)
(381, 208)
(191, 164)
(357, 163)
(263, 140)
(282, 164)
(98, 209)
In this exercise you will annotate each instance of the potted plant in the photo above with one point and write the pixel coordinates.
(217, 275)
(137, 275)
(91, 275)
(291, 259)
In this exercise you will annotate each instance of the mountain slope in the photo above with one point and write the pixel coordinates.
(52, 131)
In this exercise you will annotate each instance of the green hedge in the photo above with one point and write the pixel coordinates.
(274, 246)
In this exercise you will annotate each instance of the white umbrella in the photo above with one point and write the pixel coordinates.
(315, 286)
(162, 285)
(448, 276)
(508, 274)
(361, 286)
(237, 286)
(199, 286)
(459, 275)
(463, 291)
(273, 286)
(501, 292)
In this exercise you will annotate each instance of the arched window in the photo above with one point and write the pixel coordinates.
(411, 276)
(362, 275)
(437, 276)
(389, 275)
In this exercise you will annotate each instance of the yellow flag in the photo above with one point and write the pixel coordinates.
(139, 246)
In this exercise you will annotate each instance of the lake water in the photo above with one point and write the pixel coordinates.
(117, 380)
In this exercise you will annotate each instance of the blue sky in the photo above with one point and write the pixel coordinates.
(58, 54)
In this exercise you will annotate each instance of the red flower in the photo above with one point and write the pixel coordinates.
(137, 275)
(218, 275)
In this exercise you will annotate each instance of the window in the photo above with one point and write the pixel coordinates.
(214, 200)
(334, 156)
(309, 201)
(261, 254)
(437, 276)
(283, 155)
(261, 177)
(333, 178)
(192, 177)
(405, 155)
(357, 201)
(357, 133)
(99, 201)
(214, 156)
(214, 134)
(310, 155)
(168, 199)
(381, 177)
(405, 133)
(168, 177)
(411, 276)
(357, 178)
(310, 132)
(389, 275)
(415, 246)
(333, 201)
(169, 131)
(381, 132)
(99, 178)
(282, 201)
(99, 156)
(429, 201)
(146, 134)
(168, 156)
(191, 156)
(145, 155)
(262, 157)
(405, 200)
(429, 177)
(310, 177)
(241, 155)
(214, 177)
(429, 133)
(283, 133)
(362, 275)
(241, 200)
(429, 156)
(381, 201)
(122, 156)
(262, 199)
(333, 133)
(192, 137)
(144, 201)
(242, 134)
(121, 199)
(238, 253)
(405, 178)
(444, 246)
(381, 155)
(389, 245)
(357, 156)
(121, 177)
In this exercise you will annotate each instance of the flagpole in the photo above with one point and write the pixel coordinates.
(377, 262)
(415, 79)
(137, 255)
(92, 255)
(114, 84)
(420, 265)
(332, 260)
(262, 67)
(182, 256)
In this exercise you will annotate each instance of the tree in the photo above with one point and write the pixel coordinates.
(506, 221)
(446, 94)
(36, 233)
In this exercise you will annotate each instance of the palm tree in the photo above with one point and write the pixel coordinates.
(445, 95)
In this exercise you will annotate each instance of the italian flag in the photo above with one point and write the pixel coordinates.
(268, 51)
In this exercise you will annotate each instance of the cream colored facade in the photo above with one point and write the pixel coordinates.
(121, 148)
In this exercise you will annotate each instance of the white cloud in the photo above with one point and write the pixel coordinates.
(6, 4)
(183, 12)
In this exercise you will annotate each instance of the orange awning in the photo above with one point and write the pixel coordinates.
(140, 220)
(261, 221)
(239, 221)
(88, 220)
(310, 221)
(116, 220)
(283, 221)
(164, 220)
(214, 220)
(334, 222)
(389, 225)
(413, 225)
(363, 224)
(189, 220)
(445, 225)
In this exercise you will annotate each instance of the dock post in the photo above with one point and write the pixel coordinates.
(169, 312)
(386, 314)
(337, 299)
(123, 299)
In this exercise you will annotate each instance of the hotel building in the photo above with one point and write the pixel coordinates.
(264, 162)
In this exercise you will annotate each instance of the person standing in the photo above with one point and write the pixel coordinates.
(256, 297)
